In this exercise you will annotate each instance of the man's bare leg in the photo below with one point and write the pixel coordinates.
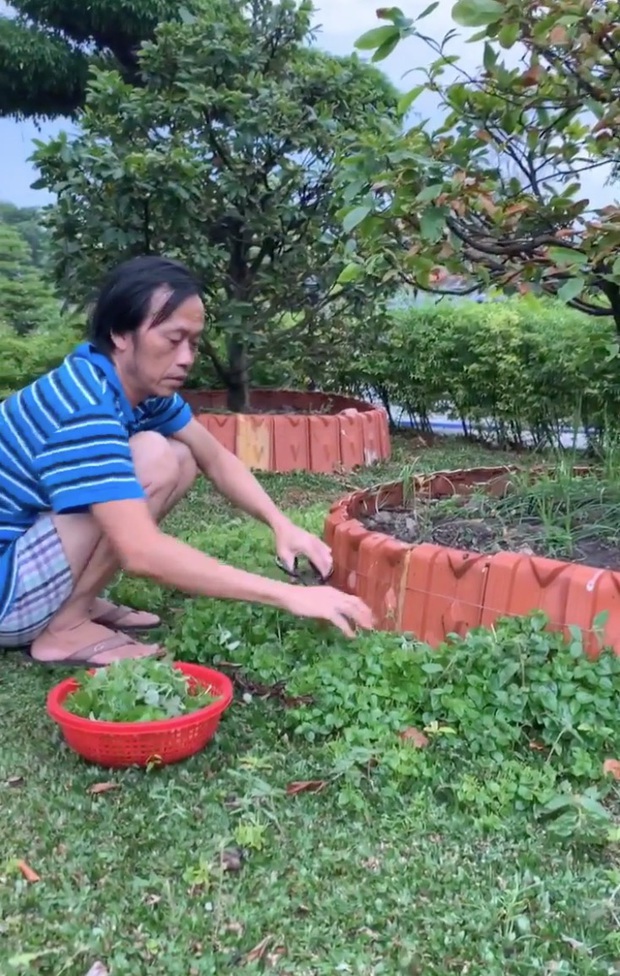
(166, 470)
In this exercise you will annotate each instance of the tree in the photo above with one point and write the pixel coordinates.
(26, 301)
(226, 158)
(27, 221)
(493, 195)
(48, 46)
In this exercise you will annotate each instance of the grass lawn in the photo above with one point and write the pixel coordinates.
(425, 863)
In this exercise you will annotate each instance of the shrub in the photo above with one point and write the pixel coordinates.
(522, 364)
(24, 358)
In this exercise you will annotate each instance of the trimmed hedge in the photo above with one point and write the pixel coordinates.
(523, 364)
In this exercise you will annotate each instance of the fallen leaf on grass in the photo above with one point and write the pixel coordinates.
(573, 943)
(27, 872)
(273, 958)
(232, 859)
(259, 950)
(611, 767)
(415, 738)
(306, 786)
(372, 864)
(97, 788)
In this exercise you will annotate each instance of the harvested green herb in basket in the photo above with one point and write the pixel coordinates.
(140, 690)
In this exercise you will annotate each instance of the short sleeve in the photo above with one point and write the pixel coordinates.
(87, 461)
(165, 415)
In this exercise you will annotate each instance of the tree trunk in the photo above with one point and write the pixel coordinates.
(238, 396)
(612, 291)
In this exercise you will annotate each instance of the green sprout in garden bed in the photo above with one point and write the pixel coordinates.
(143, 690)
(559, 515)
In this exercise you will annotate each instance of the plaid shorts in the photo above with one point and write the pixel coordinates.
(43, 582)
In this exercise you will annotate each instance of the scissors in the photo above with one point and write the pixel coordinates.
(303, 574)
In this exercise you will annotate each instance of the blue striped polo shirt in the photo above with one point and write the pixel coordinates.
(64, 445)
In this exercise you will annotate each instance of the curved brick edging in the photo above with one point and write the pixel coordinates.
(343, 433)
(433, 591)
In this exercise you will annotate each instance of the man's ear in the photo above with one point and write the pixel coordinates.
(120, 342)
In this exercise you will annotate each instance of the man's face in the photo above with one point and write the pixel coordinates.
(157, 359)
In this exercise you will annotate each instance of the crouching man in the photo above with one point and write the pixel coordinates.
(95, 453)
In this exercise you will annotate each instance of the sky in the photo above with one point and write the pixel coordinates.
(341, 22)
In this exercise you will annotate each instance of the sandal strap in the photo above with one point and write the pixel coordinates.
(116, 614)
(89, 651)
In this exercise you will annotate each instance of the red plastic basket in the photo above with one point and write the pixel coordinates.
(117, 744)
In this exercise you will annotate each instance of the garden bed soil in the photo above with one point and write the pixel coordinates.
(476, 523)
(266, 402)
(282, 411)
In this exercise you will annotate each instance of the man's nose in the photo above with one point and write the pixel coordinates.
(187, 354)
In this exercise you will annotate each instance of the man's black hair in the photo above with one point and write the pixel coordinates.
(124, 300)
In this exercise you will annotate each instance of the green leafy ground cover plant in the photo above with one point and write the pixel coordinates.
(136, 691)
(348, 852)
(519, 708)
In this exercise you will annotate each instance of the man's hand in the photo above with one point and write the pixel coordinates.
(325, 603)
(291, 541)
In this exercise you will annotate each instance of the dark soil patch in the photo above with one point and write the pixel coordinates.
(276, 412)
(587, 531)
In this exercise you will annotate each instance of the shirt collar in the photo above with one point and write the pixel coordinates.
(100, 361)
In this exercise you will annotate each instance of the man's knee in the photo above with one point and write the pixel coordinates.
(161, 464)
(188, 469)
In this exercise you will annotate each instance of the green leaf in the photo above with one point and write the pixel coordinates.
(429, 193)
(376, 37)
(355, 217)
(428, 10)
(394, 14)
(508, 35)
(489, 57)
(386, 48)
(477, 13)
(24, 960)
(350, 272)
(571, 289)
(564, 255)
(432, 223)
(409, 98)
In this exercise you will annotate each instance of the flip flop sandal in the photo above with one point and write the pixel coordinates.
(114, 617)
(83, 656)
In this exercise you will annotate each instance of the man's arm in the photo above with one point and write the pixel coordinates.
(230, 475)
(144, 550)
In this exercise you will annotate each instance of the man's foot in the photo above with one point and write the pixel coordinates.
(123, 618)
(90, 645)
